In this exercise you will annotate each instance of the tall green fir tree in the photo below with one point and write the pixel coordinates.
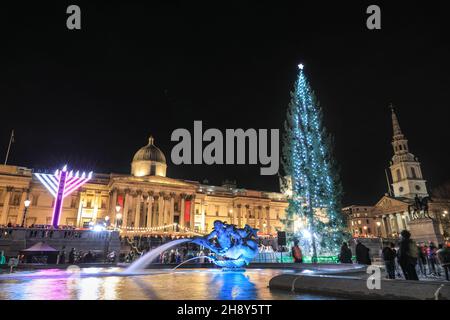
(311, 177)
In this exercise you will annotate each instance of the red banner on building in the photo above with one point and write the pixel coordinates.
(120, 200)
(187, 210)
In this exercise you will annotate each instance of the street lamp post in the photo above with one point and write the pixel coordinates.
(27, 204)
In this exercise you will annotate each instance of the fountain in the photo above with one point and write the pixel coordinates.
(150, 256)
(233, 247)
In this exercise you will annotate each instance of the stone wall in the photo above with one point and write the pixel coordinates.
(12, 240)
(425, 230)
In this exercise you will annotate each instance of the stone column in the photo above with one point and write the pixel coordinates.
(192, 220)
(172, 208)
(22, 207)
(245, 215)
(97, 199)
(112, 206)
(405, 218)
(382, 227)
(386, 224)
(143, 215)
(155, 210)
(394, 217)
(260, 216)
(161, 209)
(203, 222)
(239, 214)
(203, 212)
(183, 197)
(268, 219)
(137, 213)
(402, 221)
(5, 210)
(126, 204)
(80, 208)
(149, 210)
(230, 215)
(166, 210)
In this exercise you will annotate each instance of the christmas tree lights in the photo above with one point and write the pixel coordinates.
(311, 175)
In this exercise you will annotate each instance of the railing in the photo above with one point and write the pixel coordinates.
(273, 257)
(285, 257)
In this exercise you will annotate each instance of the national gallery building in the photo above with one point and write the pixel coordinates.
(144, 202)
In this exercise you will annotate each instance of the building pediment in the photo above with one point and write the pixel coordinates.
(389, 204)
(386, 202)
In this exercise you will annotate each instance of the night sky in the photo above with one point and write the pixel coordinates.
(91, 98)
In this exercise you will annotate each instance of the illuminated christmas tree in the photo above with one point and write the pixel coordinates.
(311, 176)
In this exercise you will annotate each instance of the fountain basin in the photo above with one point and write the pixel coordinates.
(356, 287)
(114, 284)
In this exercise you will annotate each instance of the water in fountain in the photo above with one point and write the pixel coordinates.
(145, 260)
(194, 258)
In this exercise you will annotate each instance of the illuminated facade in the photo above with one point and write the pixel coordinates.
(144, 202)
(390, 215)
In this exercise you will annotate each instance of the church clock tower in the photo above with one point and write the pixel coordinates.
(405, 167)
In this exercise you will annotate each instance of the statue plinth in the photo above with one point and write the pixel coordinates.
(425, 230)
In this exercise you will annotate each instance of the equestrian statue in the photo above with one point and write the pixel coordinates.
(419, 208)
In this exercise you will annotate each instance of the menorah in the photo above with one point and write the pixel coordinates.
(60, 185)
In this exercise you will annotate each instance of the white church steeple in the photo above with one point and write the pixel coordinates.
(405, 168)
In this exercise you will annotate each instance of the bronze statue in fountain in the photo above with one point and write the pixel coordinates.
(233, 247)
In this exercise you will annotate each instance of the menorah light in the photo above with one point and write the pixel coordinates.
(60, 185)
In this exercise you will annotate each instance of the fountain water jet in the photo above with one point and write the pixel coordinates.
(194, 258)
(233, 247)
(145, 260)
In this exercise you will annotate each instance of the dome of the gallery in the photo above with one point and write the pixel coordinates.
(149, 160)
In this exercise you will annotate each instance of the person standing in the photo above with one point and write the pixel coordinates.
(443, 255)
(345, 256)
(2, 257)
(297, 253)
(62, 256)
(422, 259)
(362, 254)
(72, 256)
(432, 260)
(407, 256)
(389, 255)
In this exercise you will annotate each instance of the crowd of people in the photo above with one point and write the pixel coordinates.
(416, 259)
(38, 226)
(406, 259)
(139, 245)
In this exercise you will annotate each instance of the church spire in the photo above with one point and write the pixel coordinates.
(405, 168)
(399, 142)
(395, 125)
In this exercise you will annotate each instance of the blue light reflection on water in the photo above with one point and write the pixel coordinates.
(92, 284)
